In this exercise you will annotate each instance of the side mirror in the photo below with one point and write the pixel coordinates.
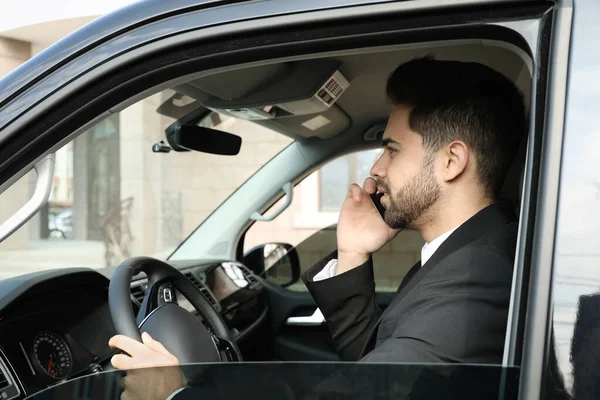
(276, 262)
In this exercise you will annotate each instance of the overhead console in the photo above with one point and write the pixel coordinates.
(299, 97)
(292, 89)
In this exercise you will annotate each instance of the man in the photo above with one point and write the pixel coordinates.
(450, 140)
(448, 145)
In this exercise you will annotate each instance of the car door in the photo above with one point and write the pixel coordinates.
(41, 114)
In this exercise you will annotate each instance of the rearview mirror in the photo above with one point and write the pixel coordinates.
(276, 262)
(183, 137)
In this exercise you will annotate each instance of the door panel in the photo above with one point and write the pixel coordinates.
(297, 341)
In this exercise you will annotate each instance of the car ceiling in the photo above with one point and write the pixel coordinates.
(364, 102)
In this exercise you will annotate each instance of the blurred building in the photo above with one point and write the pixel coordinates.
(107, 181)
(24, 32)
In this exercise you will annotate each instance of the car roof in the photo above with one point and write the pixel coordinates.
(118, 23)
(88, 36)
(97, 42)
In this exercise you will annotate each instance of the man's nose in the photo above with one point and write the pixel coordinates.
(378, 169)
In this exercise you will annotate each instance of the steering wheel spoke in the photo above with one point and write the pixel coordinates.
(225, 349)
(158, 293)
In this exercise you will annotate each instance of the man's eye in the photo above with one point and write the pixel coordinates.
(390, 150)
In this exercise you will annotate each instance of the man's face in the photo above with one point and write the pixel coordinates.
(405, 172)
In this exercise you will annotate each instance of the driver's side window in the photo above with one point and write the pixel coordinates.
(309, 223)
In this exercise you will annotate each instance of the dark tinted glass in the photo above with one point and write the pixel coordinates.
(311, 381)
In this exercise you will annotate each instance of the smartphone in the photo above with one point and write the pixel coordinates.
(375, 197)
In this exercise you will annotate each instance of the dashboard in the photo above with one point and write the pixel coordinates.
(55, 325)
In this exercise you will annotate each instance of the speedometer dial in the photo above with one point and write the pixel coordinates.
(52, 355)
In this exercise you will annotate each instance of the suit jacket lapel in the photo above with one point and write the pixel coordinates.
(472, 229)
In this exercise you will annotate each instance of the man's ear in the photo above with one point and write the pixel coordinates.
(456, 159)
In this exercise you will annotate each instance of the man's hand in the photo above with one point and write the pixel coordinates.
(150, 353)
(160, 375)
(361, 231)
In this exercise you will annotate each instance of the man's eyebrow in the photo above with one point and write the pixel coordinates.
(387, 141)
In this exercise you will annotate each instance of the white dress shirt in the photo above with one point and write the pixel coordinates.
(175, 393)
(426, 252)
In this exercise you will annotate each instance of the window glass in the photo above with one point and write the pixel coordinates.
(301, 380)
(576, 267)
(113, 197)
(311, 228)
(336, 177)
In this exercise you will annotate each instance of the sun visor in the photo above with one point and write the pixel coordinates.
(238, 84)
(272, 92)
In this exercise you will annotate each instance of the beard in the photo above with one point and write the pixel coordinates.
(411, 202)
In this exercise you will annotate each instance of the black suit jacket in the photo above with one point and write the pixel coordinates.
(452, 309)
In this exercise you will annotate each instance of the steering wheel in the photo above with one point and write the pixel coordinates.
(181, 332)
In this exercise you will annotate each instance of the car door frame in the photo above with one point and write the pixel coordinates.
(537, 311)
(46, 90)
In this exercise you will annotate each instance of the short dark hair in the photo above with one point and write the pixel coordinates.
(453, 100)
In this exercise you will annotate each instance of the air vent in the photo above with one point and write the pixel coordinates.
(204, 290)
(250, 277)
(4, 383)
(137, 293)
(8, 388)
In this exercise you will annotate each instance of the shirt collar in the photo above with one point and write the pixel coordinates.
(431, 247)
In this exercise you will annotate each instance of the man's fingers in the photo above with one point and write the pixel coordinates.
(156, 345)
(121, 361)
(355, 192)
(370, 186)
(127, 344)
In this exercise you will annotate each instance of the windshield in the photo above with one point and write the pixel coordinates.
(290, 381)
(113, 197)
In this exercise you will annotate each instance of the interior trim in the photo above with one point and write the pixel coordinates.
(315, 319)
(11, 377)
(530, 186)
(250, 328)
(27, 358)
